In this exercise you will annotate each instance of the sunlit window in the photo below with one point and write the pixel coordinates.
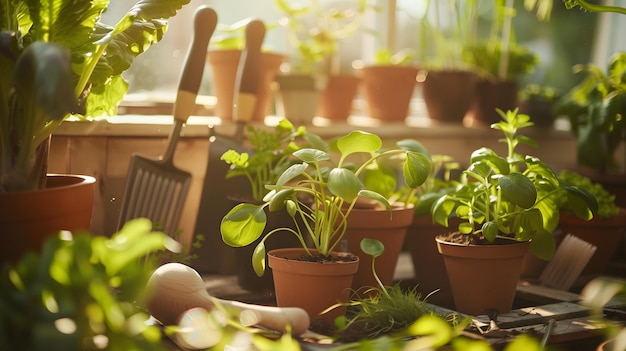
(568, 38)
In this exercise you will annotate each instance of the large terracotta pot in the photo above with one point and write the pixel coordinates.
(336, 100)
(388, 228)
(224, 64)
(311, 286)
(483, 277)
(492, 94)
(27, 218)
(448, 94)
(605, 234)
(388, 91)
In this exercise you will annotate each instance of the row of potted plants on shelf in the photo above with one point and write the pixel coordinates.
(457, 65)
(330, 190)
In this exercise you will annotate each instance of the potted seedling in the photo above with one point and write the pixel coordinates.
(268, 155)
(449, 87)
(225, 50)
(314, 31)
(500, 62)
(320, 193)
(506, 204)
(389, 83)
(58, 60)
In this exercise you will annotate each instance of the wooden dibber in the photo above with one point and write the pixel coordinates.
(175, 288)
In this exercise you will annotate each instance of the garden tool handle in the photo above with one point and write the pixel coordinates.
(205, 21)
(248, 74)
(175, 288)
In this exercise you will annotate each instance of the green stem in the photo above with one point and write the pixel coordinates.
(600, 8)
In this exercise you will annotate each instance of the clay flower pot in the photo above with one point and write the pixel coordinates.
(483, 277)
(605, 234)
(388, 91)
(29, 217)
(336, 100)
(388, 228)
(448, 94)
(311, 286)
(224, 65)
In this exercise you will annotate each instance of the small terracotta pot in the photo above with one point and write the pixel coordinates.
(336, 100)
(605, 234)
(311, 286)
(387, 227)
(448, 94)
(483, 277)
(30, 217)
(388, 91)
(224, 64)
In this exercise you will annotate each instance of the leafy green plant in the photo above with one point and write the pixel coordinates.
(595, 108)
(606, 201)
(319, 193)
(315, 31)
(400, 58)
(536, 92)
(39, 88)
(269, 156)
(82, 292)
(485, 56)
(511, 195)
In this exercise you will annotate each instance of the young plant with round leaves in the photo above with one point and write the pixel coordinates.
(511, 195)
(319, 193)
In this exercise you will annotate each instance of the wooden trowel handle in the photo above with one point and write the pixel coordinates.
(205, 20)
(249, 71)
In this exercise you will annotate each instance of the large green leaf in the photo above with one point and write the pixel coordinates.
(358, 141)
(43, 78)
(518, 189)
(243, 224)
(416, 169)
(344, 183)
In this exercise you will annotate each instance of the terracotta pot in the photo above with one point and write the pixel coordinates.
(224, 65)
(489, 96)
(246, 277)
(448, 94)
(483, 277)
(29, 217)
(390, 229)
(428, 265)
(388, 90)
(311, 286)
(299, 96)
(336, 100)
(605, 234)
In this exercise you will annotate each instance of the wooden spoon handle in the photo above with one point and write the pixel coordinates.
(205, 20)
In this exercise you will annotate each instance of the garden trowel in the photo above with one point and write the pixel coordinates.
(214, 255)
(155, 188)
